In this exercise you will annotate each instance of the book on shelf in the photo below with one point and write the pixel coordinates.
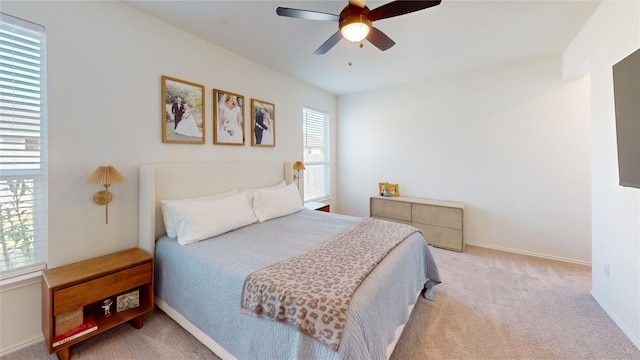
(87, 326)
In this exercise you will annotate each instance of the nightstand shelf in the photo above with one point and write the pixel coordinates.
(87, 283)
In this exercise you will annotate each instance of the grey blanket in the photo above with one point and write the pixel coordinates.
(312, 291)
(203, 282)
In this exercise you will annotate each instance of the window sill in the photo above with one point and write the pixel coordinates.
(326, 199)
(28, 276)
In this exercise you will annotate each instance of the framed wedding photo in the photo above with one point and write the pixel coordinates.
(228, 118)
(393, 190)
(183, 111)
(263, 123)
(383, 188)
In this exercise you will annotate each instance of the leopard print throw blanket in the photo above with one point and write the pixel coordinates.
(312, 291)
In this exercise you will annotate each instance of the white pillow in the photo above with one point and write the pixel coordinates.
(169, 217)
(199, 220)
(273, 203)
(252, 192)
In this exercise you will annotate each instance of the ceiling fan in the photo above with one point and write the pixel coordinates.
(355, 21)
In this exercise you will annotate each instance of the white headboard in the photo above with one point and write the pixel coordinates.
(191, 179)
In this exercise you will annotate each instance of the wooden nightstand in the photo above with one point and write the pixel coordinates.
(317, 206)
(85, 284)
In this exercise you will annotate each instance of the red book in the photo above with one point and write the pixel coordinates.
(87, 326)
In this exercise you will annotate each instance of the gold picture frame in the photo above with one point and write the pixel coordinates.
(228, 118)
(394, 190)
(383, 188)
(263, 123)
(182, 101)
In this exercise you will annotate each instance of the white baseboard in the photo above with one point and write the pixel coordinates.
(22, 345)
(615, 319)
(573, 261)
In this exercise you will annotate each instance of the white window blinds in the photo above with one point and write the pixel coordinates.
(23, 146)
(315, 130)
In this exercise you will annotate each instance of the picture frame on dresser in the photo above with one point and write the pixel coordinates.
(228, 118)
(183, 111)
(263, 123)
(383, 188)
(394, 190)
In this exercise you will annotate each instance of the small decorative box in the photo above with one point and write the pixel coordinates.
(67, 321)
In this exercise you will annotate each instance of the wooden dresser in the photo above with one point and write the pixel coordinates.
(441, 222)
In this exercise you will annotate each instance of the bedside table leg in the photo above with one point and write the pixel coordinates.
(135, 322)
(64, 354)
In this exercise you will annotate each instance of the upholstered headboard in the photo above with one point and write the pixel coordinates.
(183, 180)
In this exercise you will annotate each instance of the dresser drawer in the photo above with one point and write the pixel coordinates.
(392, 220)
(396, 210)
(91, 291)
(437, 215)
(442, 237)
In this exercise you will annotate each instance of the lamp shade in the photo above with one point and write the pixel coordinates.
(355, 31)
(298, 165)
(105, 175)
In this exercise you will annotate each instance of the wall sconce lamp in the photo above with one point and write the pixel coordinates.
(105, 176)
(297, 166)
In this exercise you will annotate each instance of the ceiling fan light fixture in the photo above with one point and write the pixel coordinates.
(355, 21)
(355, 31)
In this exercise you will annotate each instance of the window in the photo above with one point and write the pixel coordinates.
(315, 132)
(23, 147)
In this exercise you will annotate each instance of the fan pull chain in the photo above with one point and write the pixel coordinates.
(349, 55)
(359, 45)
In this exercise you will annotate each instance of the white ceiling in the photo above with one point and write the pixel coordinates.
(455, 36)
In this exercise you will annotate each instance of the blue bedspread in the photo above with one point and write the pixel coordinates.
(203, 282)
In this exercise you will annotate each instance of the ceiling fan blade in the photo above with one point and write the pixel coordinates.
(306, 14)
(380, 39)
(396, 8)
(328, 44)
(358, 3)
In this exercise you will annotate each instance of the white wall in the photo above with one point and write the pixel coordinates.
(612, 33)
(512, 142)
(105, 61)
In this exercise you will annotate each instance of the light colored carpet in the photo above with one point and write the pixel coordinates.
(491, 305)
(499, 305)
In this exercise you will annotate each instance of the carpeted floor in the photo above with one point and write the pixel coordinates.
(491, 305)
(498, 305)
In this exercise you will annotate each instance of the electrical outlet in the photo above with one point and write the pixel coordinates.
(606, 270)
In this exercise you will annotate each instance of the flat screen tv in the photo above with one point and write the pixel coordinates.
(626, 91)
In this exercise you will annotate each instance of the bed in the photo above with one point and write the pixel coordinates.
(200, 284)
